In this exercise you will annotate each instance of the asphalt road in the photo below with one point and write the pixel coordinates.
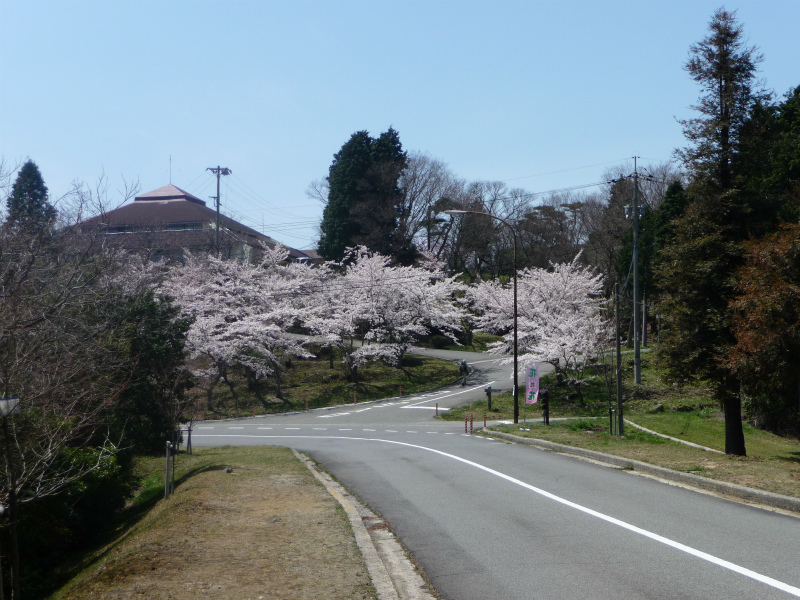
(490, 519)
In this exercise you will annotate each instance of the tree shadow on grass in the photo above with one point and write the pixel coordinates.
(117, 532)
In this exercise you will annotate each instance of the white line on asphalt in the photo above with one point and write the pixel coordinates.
(363, 409)
(345, 430)
(235, 427)
(367, 430)
(790, 589)
(291, 428)
(411, 432)
(265, 428)
(320, 428)
(391, 431)
(472, 389)
(431, 432)
(334, 415)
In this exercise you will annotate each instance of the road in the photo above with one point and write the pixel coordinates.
(490, 519)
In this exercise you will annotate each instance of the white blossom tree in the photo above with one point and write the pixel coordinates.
(559, 315)
(370, 310)
(241, 313)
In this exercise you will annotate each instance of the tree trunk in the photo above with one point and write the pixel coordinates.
(734, 434)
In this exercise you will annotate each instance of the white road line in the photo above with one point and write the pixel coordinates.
(367, 430)
(472, 389)
(363, 409)
(320, 428)
(391, 431)
(790, 589)
(265, 428)
(235, 427)
(431, 432)
(345, 430)
(334, 415)
(294, 428)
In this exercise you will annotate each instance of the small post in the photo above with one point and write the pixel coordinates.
(437, 409)
(465, 424)
(189, 438)
(484, 420)
(355, 398)
(544, 395)
(166, 473)
(489, 397)
(306, 404)
(254, 411)
(470, 423)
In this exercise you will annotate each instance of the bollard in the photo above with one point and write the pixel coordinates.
(306, 405)
(484, 420)
(544, 396)
(489, 397)
(254, 411)
(470, 422)
(166, 473)
(465, 424)
(437, 409)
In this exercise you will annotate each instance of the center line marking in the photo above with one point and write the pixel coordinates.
(291, 428)
(265, 427)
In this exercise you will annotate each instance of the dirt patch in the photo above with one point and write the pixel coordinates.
(265, 530)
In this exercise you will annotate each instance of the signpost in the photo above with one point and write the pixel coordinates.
(531, 386)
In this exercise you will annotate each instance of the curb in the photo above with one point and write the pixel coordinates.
(739, 492)
(393, 575)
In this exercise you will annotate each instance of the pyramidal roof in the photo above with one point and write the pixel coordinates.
(166, 193)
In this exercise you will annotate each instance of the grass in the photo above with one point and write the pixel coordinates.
(313, 383)
(242, 522)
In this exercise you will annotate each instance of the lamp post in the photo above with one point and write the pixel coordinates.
(514, 266)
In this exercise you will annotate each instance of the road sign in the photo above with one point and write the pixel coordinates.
(532, 384)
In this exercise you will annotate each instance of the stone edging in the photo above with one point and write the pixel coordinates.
(719, 487)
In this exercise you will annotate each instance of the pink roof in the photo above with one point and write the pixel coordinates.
(168, 192)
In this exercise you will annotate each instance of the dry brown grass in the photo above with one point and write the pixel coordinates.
(265, 530)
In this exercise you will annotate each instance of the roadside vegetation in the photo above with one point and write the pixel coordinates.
(243, 523)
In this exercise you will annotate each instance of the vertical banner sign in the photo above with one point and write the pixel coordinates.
(532, 384)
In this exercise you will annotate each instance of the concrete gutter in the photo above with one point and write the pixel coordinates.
(738, 492)
(393, 574)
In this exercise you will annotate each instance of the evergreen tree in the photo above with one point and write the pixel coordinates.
(699, 269)
(365, 200)
(28, 204)
(345, 177)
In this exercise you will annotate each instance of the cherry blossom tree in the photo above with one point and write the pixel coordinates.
(241, 313)
(370, 310)
(559, 318)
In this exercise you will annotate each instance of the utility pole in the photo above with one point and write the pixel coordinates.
(218, 171)
(621, 423)
(637, 330)
(636, 212)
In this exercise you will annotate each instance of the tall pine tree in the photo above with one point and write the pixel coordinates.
(365, 198)
(28, 205)
(699, 268)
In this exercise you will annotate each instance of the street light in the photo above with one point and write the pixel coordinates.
(514, 266)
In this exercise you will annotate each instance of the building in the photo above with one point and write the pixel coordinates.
(169, 220)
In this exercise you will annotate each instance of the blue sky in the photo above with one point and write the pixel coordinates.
(540, 94)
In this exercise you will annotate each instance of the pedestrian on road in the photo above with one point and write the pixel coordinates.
(463, 369)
